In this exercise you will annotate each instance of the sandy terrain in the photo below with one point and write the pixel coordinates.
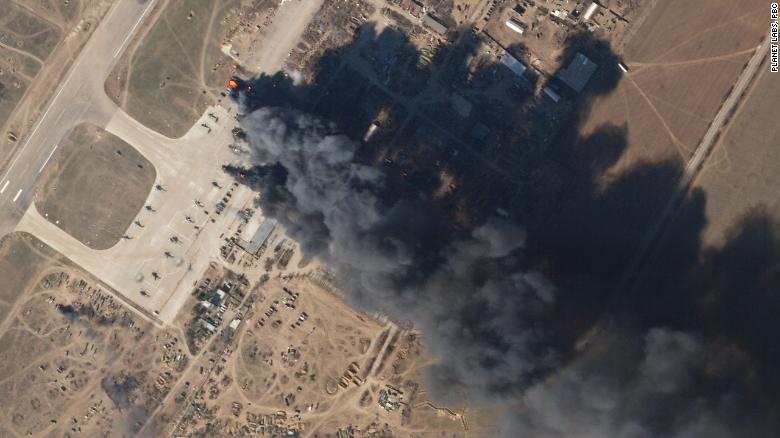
(741, 175)
(303, 360)
(72, 359)
(677, 81)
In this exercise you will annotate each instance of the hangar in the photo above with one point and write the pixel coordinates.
(513, 64)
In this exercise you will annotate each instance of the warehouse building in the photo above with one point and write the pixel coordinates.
(434, 24)
(577, 74)
(515, 26)
(259, 237)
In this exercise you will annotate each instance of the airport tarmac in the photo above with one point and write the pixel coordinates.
(186, 171)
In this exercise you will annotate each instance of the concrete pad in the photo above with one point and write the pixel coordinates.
(186, 168)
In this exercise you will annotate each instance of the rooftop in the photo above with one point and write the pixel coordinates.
(258, 239)
(516, 66)
(434, 24)
(577, 74)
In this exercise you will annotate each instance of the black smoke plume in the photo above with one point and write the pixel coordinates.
(467, 291)
(492, 321)
(690, 353)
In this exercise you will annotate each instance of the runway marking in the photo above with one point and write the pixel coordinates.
(62, 87)
(48, 158)
(40, 122)
(122, 46)
(5, 185)
(57, 120)
(17, 195)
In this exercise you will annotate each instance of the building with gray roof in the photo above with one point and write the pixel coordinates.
(579, 71)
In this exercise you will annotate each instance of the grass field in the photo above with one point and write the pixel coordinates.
(683, 60)
(95, 186)
(167, 77)
(741, 175)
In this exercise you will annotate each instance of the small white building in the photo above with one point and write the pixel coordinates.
(372, 128)
(590, 11)
(515, 26)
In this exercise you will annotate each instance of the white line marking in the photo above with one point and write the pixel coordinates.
(122, 46)
(48, 158)
(51, 103)
(4, 186)
(40, 122)
(17, 195)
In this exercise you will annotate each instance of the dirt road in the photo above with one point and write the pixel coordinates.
(692, 169)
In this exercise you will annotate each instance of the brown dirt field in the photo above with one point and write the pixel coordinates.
(22, 259)
(12, 88)
(741, 175)
(328, 341)
(261, 370)
(18, 62)
(26, 40)
(27, 32)
(59, 12)
(683, 61)
(95, 186)
(676, 29)
(53, 362)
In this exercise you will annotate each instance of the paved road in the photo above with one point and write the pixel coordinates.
(79, 98)
(710, 139)
(282, 35)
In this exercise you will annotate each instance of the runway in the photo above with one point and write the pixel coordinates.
(79, 98)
